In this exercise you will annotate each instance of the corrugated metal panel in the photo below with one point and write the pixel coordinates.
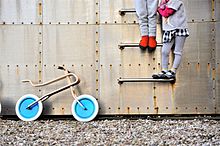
(217, 10)
(217, 68)
(19, 11)
(109, 11)
(19, 60)
(130, 62)
(92, 52)
(194, 9)
(69, 11)
(74, 47)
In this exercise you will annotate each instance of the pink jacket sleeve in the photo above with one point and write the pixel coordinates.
(166, 12)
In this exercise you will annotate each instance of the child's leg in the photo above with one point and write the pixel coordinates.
(152, 16)
(152, 21)
(142, 13)
(165, 54)
(179, 43)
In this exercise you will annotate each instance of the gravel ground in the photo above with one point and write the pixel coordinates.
(110, 132)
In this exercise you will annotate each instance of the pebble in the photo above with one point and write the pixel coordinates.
(110, 132)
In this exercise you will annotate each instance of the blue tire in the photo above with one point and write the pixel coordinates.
(28, 114)
(88, 114)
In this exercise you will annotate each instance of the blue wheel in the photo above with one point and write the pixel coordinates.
(88, 114)
(28, 114)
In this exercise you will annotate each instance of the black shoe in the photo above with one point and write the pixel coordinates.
(161, 75)
(150, 50)
(142, 47)
(170, 75)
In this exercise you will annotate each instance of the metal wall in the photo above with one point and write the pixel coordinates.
(84, 35)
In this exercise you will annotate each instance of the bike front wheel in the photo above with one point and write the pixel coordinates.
(28, 114)
(90, 110)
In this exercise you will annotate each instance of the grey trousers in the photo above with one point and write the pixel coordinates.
(179, 43)
(147, 15)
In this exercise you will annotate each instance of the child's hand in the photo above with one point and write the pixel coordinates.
(165, 20)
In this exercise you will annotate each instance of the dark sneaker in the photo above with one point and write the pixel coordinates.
(152, 44)
(143, 47)
(161, 75)
(170, 75)
(144, 42)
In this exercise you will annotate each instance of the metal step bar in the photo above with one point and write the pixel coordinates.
(130, 45)
(122, 12)
(122, 80)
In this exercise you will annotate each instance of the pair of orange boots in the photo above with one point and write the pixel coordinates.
(148, 42)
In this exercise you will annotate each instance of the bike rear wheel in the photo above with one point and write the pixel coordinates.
(28, 114)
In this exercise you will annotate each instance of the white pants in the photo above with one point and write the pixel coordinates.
(147, 15)
(179, 43)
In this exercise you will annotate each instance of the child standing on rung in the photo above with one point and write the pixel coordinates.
(175, 32)
(147, 15)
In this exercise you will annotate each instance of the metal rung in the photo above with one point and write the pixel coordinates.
(122, 12)
(122, 80)
(129, 45)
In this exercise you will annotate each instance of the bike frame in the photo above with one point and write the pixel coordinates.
(67, 75)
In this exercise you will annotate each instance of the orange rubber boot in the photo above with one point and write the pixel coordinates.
(144, 42)
(152, 43)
